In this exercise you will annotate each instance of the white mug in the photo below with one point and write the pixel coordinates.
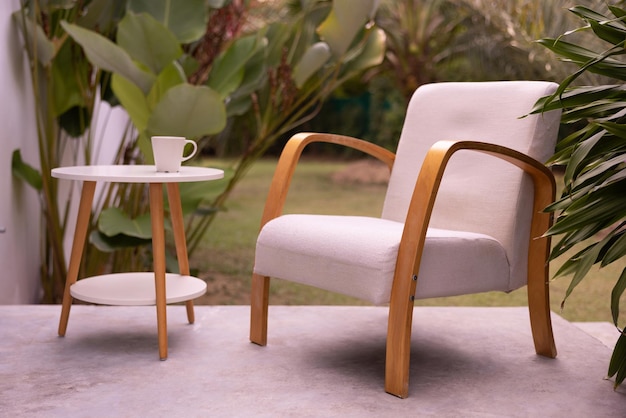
(168, 152)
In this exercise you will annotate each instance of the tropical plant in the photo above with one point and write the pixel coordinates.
(591, 212)
(65, 96)
(70, 83)
(467, 40)
(274, 77)
(308, 57)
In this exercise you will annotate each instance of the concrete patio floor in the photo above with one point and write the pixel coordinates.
(319, 362)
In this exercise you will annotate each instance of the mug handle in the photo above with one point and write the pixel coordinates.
(195, 148)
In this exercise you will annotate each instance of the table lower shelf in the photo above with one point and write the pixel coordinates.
(132, 289)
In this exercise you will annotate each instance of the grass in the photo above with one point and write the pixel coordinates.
(226, 256)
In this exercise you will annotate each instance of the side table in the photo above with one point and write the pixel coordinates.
(157, 288)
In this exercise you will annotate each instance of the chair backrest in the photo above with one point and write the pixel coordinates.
(478, 193)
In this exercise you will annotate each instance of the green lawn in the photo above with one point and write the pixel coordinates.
(226, 257)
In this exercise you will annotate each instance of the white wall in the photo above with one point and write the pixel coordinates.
(20, 219)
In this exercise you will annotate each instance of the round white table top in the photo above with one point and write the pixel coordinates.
(136, 174)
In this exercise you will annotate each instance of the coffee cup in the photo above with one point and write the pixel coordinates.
(168, 152)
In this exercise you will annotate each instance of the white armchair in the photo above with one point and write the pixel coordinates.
(463, 214)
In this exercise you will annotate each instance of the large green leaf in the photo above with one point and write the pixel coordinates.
(228, 70)
(146, 40)
(255, 77)
(255, 73)
(25, 171)
(371, 55)
(173, 75)
(346, 19)
(109, 244)
(278, 35)
(102, 15)
(189, 111)
(69, 76)
(113, 221)
(133, 100)
(312, 60)
(35, 38)
(186, 19)
(103, 53)
(192, 194)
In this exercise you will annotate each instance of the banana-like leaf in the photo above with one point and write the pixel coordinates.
(102, 15)
(313, 59)
(133, 100)
(228, 70)
(67, 76)
(117, 242)
(345, 20)
(104, 54)
(171, 76)
(255, 75)
(25, 171)
(186, 19)
(113, 221)
(372, 54)
(146, 40)
(189, 111)
(36, 38)
(194, 193)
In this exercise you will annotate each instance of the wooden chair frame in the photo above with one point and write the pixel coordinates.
(412, 243)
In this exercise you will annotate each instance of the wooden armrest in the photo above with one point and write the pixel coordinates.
(425, 193)
(412, 245)
(290, 156)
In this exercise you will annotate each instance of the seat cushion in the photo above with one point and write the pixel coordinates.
(356, 256)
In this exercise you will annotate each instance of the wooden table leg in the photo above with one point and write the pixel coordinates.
(158, 255)
(78, 245)
(176, 213)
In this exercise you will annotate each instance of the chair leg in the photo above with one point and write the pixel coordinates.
(540, 321)
(398, 349)
(258, 309)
